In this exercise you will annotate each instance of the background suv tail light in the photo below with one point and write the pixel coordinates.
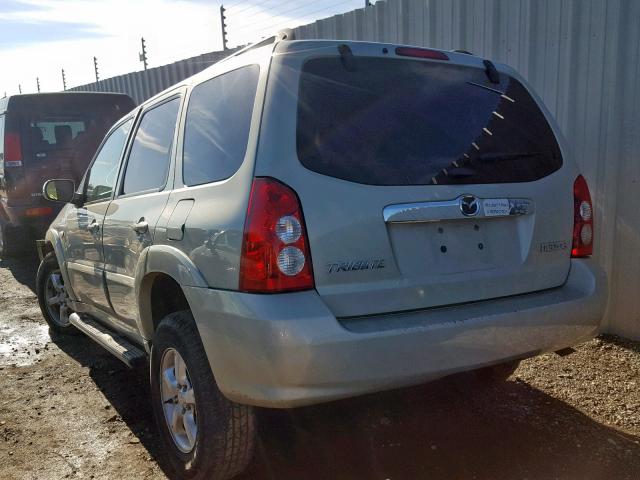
(582, 219)
(275, 247)
(12, 149)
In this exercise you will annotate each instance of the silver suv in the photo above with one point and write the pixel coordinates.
(313, 220)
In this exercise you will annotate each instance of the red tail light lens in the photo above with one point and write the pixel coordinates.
(421, 53)
(582, 219)
(12, 149)
(275, 247)
(38, 212)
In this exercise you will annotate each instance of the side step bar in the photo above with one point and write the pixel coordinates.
(118, 346)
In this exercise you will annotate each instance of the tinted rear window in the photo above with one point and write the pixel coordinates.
(407, 122)
(77, 124)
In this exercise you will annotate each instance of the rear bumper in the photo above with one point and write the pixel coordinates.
(28, 217)
(289, 350)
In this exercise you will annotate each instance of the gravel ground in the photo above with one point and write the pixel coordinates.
(69, 410)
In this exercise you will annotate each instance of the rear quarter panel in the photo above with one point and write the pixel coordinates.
(213, 227)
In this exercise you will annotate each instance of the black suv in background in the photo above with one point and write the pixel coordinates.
(44, 136)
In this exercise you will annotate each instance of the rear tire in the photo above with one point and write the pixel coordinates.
(50, 287)
(222, 433)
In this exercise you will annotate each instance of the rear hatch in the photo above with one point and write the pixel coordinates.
(423, 182)
(60, 134)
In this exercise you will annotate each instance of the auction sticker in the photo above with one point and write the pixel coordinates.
(496, 207)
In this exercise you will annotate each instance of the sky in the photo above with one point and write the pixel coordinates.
(38, 38)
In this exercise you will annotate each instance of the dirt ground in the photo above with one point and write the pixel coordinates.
(70, 410)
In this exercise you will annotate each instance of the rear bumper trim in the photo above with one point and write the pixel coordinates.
(441, 308)
(454, 313)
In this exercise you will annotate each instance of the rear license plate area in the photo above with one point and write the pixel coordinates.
(456, 246)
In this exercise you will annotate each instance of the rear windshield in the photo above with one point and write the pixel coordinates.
(389, 121)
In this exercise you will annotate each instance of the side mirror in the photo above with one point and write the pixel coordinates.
(59, 190)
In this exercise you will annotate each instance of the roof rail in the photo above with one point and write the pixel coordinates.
(259, 44)
(282, 35)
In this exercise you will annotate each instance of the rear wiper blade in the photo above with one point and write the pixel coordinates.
(496, 157)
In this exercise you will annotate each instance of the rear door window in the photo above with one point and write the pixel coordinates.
(406, 122)
(217, 126)
(150, 154)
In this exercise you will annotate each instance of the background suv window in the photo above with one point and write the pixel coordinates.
(104, 171)
(150, 155)
(217, 126)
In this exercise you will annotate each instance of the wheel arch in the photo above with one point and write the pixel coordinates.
(163, 271)
(53, 243)
(45, 247)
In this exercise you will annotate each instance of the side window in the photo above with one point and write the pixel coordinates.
(103, 173)
(150, 155)
(217, 126)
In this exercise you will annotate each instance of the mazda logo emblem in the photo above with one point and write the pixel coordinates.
(469, 205)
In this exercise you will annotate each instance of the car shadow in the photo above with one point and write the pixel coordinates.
(452, 428)
(621, 342)
(24, 268)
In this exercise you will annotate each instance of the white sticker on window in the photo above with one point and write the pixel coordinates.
(496, 207)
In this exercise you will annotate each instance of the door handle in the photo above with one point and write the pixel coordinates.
(94, 227)
(141, 227)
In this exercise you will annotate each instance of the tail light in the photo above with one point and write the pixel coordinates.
(12, 150)
(275, 247)
(38, 212)
(582, 219)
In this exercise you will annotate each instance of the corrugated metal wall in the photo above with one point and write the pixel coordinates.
(145, 84)
(583, 58)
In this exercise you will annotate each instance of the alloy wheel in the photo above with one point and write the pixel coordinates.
(178, 400)
(56, 299)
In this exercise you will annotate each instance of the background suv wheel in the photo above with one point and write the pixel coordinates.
(206, 436)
